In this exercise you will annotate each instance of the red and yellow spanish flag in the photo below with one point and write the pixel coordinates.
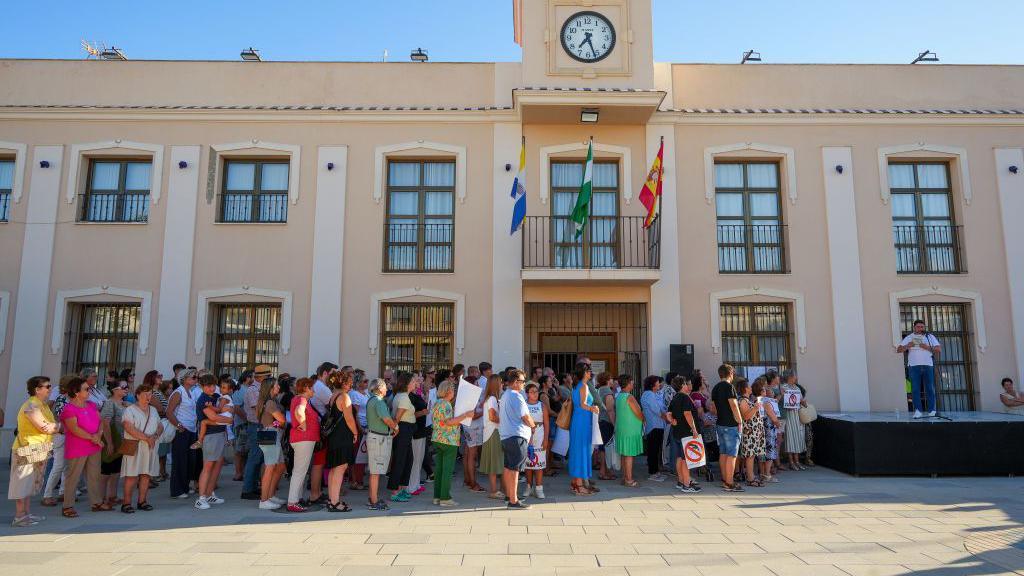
(650, 196)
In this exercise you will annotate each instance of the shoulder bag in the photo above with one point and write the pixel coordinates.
(564, 419)
(130, 446)
(808, 414)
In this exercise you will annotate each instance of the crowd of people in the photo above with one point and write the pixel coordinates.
(336, 433)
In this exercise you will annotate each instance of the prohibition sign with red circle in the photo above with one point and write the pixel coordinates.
(694, 451)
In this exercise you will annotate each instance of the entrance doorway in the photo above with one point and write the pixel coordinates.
(612, 335)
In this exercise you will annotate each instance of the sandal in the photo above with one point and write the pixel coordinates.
(104, 507)
(339, 507)
(630, 484)
(608, 477)
(551, 472)
(127, 509)
(145, 506)
(578, 492)
(476, 488)
(69, 513)
(593, 489)
(49, 502)
(755, 484)
(356, 487)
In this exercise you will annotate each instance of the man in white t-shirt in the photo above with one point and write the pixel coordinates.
(921, 348)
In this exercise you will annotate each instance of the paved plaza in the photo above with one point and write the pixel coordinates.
(817, 523)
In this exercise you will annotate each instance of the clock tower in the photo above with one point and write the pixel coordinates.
(588, 44)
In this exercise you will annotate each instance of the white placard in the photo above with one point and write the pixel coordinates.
(693, 452)
(753, 372)
(791, 399)
(466, 399)
(598, 366)
(595, 436)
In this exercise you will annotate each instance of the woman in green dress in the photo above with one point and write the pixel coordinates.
(629, 429)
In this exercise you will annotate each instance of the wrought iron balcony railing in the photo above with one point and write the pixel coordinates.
(929, 249)
(607, 243)
(752, 249)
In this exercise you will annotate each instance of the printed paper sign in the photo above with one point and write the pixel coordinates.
(466, 399)
(791, 399)
(693, 452)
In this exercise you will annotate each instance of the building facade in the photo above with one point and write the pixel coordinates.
(226, 214)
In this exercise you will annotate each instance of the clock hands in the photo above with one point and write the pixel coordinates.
(588, 39)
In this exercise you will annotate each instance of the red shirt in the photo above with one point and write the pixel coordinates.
(312, 433)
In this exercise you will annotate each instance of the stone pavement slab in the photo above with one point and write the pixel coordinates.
(818, 523)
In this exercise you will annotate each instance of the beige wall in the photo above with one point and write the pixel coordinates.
(280, 257)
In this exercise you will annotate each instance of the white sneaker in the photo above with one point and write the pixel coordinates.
(202, 504)
(931, 414)
(214, 499)
(917, 414)
(277, 500)
(538, 491)
(183, 495)
(269, 505)
(656, 478)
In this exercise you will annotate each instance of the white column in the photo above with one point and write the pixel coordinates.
(666, 309)
(507, 257)
(33, 295)
(328, 251)
(176, 266)
(1011, 204)
(847, 293)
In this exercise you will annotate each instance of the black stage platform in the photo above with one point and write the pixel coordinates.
(887, 444)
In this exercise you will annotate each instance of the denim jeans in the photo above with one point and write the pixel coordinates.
(254, 461)
(922, 376)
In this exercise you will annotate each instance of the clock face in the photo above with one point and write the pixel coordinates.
(588, 37)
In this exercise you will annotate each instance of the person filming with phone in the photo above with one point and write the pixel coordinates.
(921, 348)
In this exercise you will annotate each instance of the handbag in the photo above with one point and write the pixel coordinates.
(130, 446)
(167, 436)
(611, 456)
(266, 437)
(34, 453)
(564, 416)
(808, 414)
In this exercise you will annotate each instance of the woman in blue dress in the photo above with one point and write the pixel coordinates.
(581, 428)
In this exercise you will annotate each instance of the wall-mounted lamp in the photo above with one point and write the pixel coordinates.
(251, 55)
(589, 115)
(1013, 169)
(508, 167)
(44, 164)
(182, 164)
(330, 166)
(839, 168)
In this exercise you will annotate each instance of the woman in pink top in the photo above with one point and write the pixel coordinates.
(304, 434)
(82, 447)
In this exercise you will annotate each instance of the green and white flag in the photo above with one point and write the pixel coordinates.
(581, 212)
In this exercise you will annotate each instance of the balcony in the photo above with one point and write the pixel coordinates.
(611, 248)
(929, 249)
(753, 249)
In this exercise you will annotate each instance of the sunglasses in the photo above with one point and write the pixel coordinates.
(122, 387)
(47, 386)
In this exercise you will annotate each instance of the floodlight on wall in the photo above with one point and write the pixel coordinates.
(251, 54)
(44, 164)
(113, 53)
(330, 166)
(182, 164)
(839, 168)
(419, 55)
(750, 56)
(926, 56)
(1013, 170)
(589, 115)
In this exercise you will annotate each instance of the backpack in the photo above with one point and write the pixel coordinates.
(329, 422)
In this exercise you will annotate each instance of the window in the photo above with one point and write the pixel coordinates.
(255, 191)
(954, 382)
(417, 336)
(117, 191)
(419, 234)
(756, 337)
(751, 237)
(101, 337)
(926, 238)
(6, 186)
(246, 335)
(598, 246)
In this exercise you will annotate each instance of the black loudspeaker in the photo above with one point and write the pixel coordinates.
(680, 358)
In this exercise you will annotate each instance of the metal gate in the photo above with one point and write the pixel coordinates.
(613, 335)
(954, 367)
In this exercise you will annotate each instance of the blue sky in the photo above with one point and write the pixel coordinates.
(868, 31)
